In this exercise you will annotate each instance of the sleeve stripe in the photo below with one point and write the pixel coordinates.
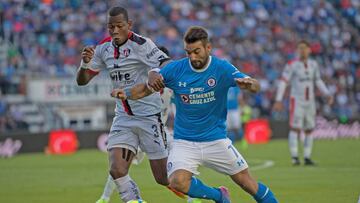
(92, 72)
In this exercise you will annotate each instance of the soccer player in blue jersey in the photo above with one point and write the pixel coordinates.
(200, 83)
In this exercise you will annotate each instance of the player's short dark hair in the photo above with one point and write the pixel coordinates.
(303, 41)
(196, 33)
(118, 10)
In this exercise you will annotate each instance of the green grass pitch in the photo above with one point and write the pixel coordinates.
(79, 178)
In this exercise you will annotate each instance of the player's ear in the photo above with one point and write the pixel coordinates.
(208, 47)
(130, 24)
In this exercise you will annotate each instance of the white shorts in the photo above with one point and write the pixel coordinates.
(233, 119)
(131, 132)
(302, 116)
(219, 155)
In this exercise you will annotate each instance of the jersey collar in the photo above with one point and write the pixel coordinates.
(201, 70)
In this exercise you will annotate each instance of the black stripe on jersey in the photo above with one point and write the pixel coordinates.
(162, 60)
(127, 107)
(136, 38)
(162, 131)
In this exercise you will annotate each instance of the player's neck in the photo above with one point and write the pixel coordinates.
(120, 44)
(304, 60)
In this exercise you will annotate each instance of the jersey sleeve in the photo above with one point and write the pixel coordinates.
(287, 73)
(97, 64)
(168, 72)
(232, 73)
(151, 55)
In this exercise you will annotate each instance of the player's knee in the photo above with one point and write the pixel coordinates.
(117, 171)
(162, 180)
(297, 130)
(308, 132)
(179, 183)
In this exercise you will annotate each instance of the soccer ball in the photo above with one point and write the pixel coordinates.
(136, 201)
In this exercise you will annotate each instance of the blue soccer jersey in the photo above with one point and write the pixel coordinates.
(200, 97)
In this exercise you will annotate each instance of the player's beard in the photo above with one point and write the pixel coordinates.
(199, 64)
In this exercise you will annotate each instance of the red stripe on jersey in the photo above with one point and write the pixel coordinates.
(127, 107)
(107, 39)
(116, 52)
(307, 93)
(291, 61)
(130, 34)
(92, 72)
(292, 110)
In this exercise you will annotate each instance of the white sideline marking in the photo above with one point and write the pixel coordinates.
(263, 165)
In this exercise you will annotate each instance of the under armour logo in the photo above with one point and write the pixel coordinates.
(182, 84)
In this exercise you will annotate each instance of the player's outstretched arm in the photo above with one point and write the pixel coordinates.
(155, 81)
(250, 84)
(84, 74)
(137, 92)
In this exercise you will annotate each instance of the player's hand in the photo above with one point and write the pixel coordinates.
(88, 53)
(248, 83)
(278, 106)
(156, 81)
(119, 94)
(330, 100)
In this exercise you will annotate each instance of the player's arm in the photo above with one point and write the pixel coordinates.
(85, 73)
(248, 83)
(235, 77)
(282, 83)
(137, 92)
(322, 87)
(158, 59)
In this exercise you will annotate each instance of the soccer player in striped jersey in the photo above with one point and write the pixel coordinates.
(128, 57)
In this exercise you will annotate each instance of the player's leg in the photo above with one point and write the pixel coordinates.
(296, 121)
(153, 141)
(260, 192)
(122, 145)
(225, 158)
(294, 135)
(108, 190)
(183, 161)
(308, 142)
(120, 160)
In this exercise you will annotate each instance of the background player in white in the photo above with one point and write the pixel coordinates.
(200, 83)
(302, 75)
(128, 57)
(233, 122)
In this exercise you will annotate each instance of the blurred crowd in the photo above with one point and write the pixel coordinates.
(44, 38)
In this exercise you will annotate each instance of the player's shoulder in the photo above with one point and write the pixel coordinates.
(216, 60)
(293, 62)
(313, 62)
(137, 39)
(104, 43)
(221, 63)
(180, 62)
(176, 67)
